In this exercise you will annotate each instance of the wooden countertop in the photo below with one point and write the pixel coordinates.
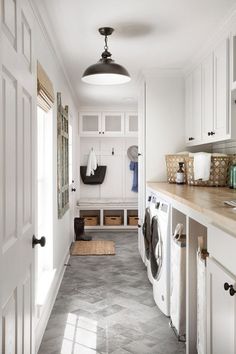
(206, 200)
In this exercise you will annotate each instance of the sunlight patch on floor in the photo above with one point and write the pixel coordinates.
(80, 335)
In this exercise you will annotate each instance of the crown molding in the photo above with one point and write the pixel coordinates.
(48, 35)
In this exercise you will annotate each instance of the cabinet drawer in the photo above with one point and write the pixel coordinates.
(222, 247)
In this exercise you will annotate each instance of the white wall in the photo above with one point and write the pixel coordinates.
(46, 55)
(164, 120)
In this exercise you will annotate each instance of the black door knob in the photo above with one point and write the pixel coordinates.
(41, 241)
(73, 189)
(209, 133)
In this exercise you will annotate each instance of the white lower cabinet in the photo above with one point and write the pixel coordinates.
(221, 310)
(221, 292)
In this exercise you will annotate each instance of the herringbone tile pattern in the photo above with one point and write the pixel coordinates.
(105, 306)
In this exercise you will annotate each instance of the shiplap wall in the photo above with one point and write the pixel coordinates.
(225, 147)
(118, 180)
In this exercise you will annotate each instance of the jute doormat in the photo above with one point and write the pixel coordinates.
(93, 248)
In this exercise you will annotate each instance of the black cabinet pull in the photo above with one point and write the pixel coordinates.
(139, 225)
(209, 133)
(99, 133)
(232, 291)
(41, 241)
(191, 138)
(226, 286)
(230, 288)
(212, 133)
(73, 189)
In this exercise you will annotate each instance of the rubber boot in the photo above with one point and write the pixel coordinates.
(79, 230)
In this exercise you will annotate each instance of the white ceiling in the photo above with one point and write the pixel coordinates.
(148, 34)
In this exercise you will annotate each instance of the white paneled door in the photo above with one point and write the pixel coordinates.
(17, 176)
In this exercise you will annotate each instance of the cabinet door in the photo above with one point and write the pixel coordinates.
(188, 108)
(221, 310)
(90, 124)
(197, 104)
(113, 124)
(131, 124)
(221, 91)
(207, 98)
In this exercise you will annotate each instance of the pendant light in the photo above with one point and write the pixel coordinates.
(106, 71)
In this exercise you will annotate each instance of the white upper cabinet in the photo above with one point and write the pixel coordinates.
(197, 104)
(207, 98)
(113, 124)
(193, 101)
(90, 124)
(189, 108)
(108, 124)
(221, 89)
(131, 124)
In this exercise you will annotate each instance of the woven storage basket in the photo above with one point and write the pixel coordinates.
(90, 220)
(113, 220)
(172, 166)
(218, 172)
(133, 220)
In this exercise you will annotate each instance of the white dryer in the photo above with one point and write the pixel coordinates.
(159, 260)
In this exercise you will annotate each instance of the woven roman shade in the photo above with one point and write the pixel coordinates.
(45, 89)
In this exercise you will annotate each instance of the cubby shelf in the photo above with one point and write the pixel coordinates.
(106, 213)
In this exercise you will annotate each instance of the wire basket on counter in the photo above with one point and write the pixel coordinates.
(172, 166)
(218, 172)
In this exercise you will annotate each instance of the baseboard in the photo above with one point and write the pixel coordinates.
(47, 308)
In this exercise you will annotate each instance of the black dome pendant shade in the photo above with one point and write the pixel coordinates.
(106, 71)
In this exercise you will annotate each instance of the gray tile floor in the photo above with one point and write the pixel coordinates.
(105, 306)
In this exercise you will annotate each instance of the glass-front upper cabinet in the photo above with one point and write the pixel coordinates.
(131, 123)
(108, 124)
(113, 124)
(90, 124)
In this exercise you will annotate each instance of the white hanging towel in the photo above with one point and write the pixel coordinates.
(202, 165)
(92, 163)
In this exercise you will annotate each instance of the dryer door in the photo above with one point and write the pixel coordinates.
(147, 231)
(156, 248)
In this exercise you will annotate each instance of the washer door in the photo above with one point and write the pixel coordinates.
(156, 255)
(147, 231)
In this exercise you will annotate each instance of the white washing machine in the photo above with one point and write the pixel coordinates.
(159, 260)
(141, 235)
(154, 206)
